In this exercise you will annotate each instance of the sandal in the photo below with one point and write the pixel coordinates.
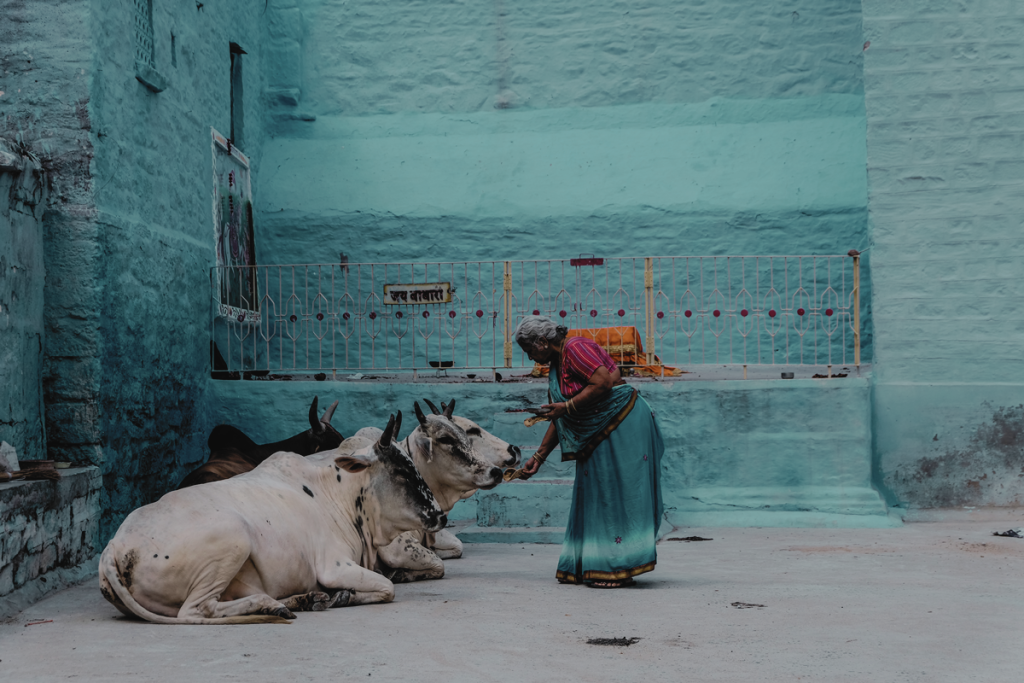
(624, 583)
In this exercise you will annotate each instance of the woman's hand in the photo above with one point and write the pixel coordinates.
(530, 468)
(555, 410)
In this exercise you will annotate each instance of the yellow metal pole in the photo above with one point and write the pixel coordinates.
(507, 312)
(856, 306)
(649, 306)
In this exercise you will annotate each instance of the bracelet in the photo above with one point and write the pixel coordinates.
(540, 459)
(569, 406)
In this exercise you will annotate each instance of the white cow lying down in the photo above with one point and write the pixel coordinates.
(252, 548)
(451, 453)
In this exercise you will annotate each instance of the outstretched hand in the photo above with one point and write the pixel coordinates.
(555, 410)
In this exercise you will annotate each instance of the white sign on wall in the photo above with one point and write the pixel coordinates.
(420, 293)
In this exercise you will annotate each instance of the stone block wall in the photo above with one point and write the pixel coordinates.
(49, 536)
(944, 84)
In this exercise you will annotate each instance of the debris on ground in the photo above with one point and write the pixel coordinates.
(624, 642)
(36, 623)
(745, 605)
(690, 539)
(1012, 533)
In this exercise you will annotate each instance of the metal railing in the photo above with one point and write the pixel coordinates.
(673, 311)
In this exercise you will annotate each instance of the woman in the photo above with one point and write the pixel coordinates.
(609, 430)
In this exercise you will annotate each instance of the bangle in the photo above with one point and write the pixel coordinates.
(539, 459)
(569, 406)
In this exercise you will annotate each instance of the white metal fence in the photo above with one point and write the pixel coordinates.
(676, 311)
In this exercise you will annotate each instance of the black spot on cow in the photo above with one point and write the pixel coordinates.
(337, 564)
(474, 431)
(130, 560)
(359, 503)
(339, 477)
(154, 555)
(306, 489)
(167, 557)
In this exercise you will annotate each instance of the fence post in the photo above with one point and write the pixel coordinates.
(856, 306)
(507, 312)
(649, 309)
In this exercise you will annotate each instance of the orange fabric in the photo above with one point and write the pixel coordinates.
(625, 347)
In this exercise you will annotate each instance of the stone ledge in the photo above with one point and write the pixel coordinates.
(53, 581)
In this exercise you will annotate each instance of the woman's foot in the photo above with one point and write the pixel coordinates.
(612, 584)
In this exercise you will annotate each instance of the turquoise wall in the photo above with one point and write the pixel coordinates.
(945, 105)
(466, 131)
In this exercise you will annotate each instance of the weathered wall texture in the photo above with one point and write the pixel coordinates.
(22, 200)
(467, 130)
(945, 104)
(45, 59)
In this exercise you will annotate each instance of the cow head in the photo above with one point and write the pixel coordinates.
(405, 500)
(454, 460)
(321, 436)
(492, 449)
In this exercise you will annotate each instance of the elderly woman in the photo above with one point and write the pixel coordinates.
(609, 430)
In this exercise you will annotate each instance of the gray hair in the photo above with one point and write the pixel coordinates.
(534, 328)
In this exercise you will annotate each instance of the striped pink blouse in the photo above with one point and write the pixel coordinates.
(581, 358)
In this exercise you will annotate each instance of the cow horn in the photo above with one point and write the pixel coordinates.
(391, 431)
(449, 409)
(329, 413)
(419, 413)
(432, 407)
(314, 421)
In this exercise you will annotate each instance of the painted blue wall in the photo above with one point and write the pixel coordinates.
(463, 130)
(945, 107)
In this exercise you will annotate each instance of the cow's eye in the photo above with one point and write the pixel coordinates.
(447, 440)
(473, 431)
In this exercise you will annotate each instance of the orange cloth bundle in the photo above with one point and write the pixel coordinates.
(625, 347)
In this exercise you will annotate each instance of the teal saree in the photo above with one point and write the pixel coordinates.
(616, 500)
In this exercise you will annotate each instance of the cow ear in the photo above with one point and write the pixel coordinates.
(329, 413)
(419, 414)
(314, 421)
(449, 409)
(352, 463)
(432, 407)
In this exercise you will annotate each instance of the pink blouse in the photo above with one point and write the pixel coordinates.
(581, 357)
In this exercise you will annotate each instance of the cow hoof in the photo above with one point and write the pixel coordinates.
(341, 599)
(282, 612)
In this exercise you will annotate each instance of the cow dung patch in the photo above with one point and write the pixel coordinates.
(623, 642)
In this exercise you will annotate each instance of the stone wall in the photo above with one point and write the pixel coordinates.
(945, 103)
(49, 536)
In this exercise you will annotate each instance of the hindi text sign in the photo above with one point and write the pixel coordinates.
(421, 293)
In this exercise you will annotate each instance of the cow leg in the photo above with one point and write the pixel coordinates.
(356, 585)
(232, 577)
(410, 561)
(253, 604)
(447, 546)
(317, 601)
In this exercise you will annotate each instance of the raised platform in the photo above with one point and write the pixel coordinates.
(49, 535)
(765, 452)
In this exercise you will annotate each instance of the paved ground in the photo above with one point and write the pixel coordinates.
(937, 601)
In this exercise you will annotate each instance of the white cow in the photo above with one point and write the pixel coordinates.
(447, 451)
(252, 548)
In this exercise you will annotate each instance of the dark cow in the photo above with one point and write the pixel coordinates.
(233, 453)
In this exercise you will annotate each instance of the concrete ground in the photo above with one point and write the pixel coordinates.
(931, 601)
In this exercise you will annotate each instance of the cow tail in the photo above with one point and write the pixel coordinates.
(111, 577)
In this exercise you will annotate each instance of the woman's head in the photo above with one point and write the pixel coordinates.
(537, 335)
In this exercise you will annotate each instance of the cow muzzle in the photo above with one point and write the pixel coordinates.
(495, 478)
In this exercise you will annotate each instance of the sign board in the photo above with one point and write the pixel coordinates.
(421, 293)
(238, 295)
